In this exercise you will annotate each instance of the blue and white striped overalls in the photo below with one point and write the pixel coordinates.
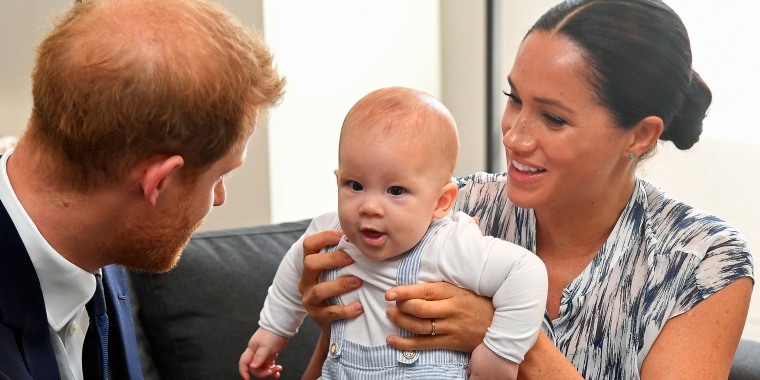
(350, 360)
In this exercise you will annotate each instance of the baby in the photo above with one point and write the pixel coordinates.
(397, 152)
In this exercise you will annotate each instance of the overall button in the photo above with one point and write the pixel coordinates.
(333, 348)
(409, 354)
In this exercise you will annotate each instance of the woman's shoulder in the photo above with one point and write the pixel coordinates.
(483, 195)
(481, 179)
(688, 228)
(481, 190)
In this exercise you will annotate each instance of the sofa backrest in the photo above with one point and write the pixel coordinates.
(194, 321)
(197, 319)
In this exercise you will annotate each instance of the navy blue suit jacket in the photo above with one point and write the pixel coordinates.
(25, 348)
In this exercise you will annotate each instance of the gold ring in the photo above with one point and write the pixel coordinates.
(432, 327)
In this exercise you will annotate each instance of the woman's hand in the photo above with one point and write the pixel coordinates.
(315, 293)
(461, 316)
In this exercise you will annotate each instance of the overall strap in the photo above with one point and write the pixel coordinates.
(408, 273)
(338, 327)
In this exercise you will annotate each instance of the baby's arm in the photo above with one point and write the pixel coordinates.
(514, 277)
(282, 312)
(258, 358)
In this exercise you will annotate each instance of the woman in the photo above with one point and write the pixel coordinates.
(640, 285)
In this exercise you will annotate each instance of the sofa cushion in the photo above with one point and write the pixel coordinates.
(198, 317)
(746, 364)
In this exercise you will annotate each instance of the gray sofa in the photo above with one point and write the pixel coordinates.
(195, 321)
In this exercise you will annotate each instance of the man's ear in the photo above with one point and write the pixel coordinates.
(155, 176)
(646, 133)
(448, 195)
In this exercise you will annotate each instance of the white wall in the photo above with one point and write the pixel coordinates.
(247, 187)
(22, 25)
(463, 77)
(333, 53)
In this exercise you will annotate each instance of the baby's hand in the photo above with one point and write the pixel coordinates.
(258, 358)
(485, 364)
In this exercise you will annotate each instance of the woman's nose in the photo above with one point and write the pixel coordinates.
(517, 133)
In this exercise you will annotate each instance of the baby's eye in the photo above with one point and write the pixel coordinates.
(355, 186)
(396, 190)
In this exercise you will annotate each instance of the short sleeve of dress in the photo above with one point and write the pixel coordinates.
(727, 259)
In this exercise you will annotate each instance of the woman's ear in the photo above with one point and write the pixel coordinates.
(446, 199)
(155, 176)
(646, 133)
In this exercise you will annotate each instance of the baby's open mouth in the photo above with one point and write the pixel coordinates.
(372, 237)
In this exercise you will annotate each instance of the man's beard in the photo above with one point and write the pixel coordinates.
(155, 243)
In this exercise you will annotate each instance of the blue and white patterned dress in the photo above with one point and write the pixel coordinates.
(662, 258)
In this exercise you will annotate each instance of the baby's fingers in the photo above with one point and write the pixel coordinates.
(261, 357)
(245, 360)
(267, 371)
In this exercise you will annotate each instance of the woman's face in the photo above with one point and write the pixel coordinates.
(562, 146)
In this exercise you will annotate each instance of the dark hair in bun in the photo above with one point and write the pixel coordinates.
(639, 60)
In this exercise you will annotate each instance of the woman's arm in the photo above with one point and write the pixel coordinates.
(315, 293)
(545, 361)
(314, 370)
(701, 343)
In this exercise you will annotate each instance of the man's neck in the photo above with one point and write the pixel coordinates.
(78, 226)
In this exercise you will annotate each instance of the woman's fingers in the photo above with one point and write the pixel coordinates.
(419, 326)
(315, 264)
(431, 291)
(316, 242)
(324, 315)
(461, 317)
(315, 293)
(423, 327)
(315, 296)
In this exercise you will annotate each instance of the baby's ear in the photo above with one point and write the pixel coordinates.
(448, 195)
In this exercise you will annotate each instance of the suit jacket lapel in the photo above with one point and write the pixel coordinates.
(22, 307)
(122, 343)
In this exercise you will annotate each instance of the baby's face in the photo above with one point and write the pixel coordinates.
(387, 193)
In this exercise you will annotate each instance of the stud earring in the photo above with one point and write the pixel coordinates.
(630, 156)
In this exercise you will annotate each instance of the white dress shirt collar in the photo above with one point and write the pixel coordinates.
(66, 288)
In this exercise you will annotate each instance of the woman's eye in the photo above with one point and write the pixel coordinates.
(395, 190)
(554, 120)
(355, 186)
(512, 97)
